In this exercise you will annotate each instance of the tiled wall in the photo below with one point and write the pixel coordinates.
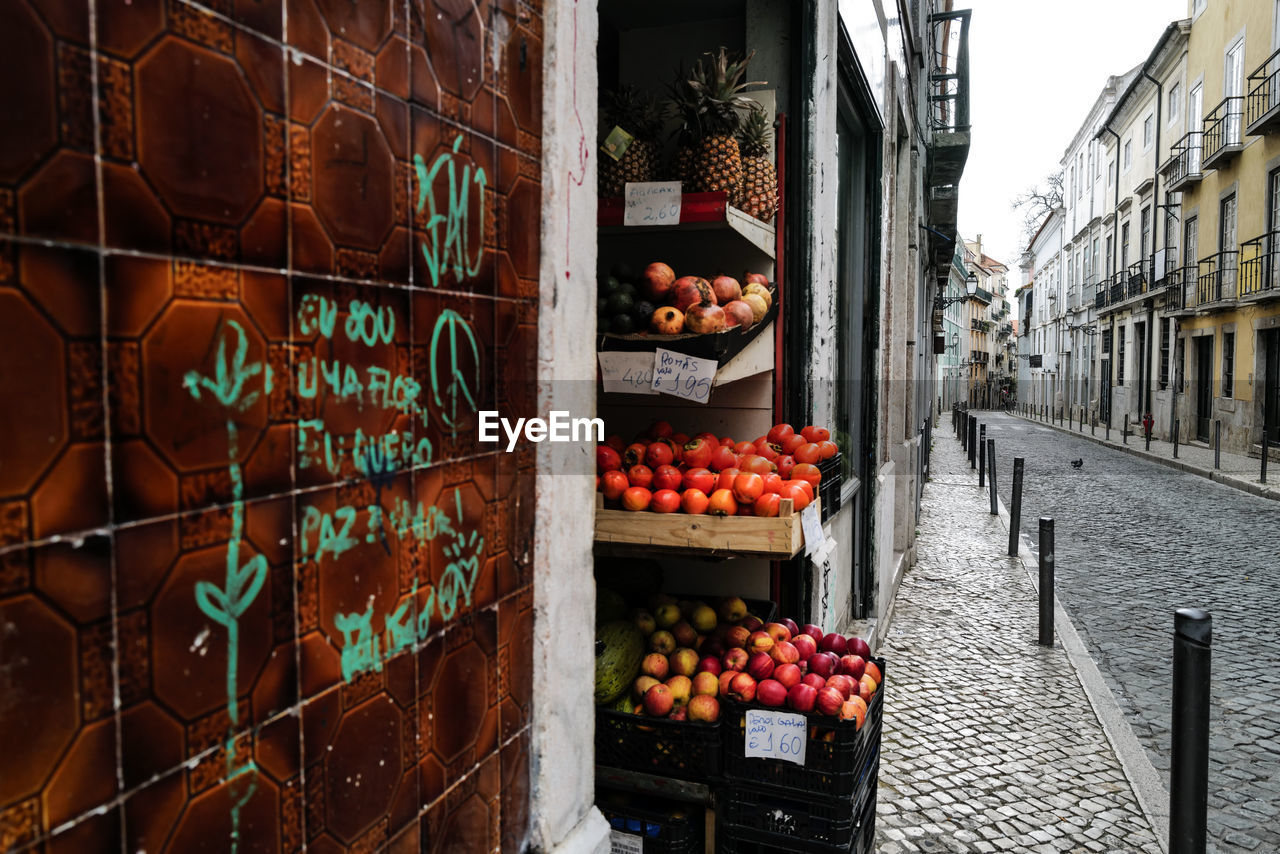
(259, 267)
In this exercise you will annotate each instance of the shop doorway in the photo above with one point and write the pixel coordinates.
(1204, 387)
(1271, 384)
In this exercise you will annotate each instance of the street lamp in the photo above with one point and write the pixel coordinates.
(971, 289)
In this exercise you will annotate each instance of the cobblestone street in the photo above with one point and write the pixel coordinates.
(989, 741)
(1135, 541)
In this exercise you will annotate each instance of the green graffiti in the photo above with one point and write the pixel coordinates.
(450, 252)
(457, 387)
(366, 323)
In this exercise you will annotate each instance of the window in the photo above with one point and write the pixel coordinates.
(1083, 175)
(1179, 355)
(1088, 265)
(1197, 6)
(1228, 362)
(1145, 246)
(1170, 241)
(1072, 191)
(1097, 259)
(1111, 168)
(1128, 154)
(1124, 246)
(1106, 340)
(1175, 102)
(1163, 332)
(1120, 359)
(1106, 271)
(1148, 132)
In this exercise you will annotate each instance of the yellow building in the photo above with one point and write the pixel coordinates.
(1224, 176)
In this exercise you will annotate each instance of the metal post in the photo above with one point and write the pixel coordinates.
(1175, 438)
(1046, 581)
(973, 441)
(1266, 444)
(1093, 424)
(1189, 766)
(982, 453)
(1108, 436)
(1015, 505)
(1071, 419)
(1124, 434)
(1147, 430)
(1217, 444)
(991, 475)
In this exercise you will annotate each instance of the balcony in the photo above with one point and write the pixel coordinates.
(1260, 268)
(980, 325)
(1175, 288)
(1137, 279)
(1223, 132)
(1115, 288)
(1182, 169)
(1262, 112)
(1216, 284)
(948, 144)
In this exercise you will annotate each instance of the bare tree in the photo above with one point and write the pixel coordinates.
(1037, 202)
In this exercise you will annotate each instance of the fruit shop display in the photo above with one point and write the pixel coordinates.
(679, 659)
(657, 302)
(662, 471)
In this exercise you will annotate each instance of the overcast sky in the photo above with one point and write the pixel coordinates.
(1035, 70)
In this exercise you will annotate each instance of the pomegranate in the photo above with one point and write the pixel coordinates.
(757, 278)
(759, 308)
(771, 693)
(738, 313)
(657, 280)
(760, 290)
(704, 318)
(667, 321)
(726, 289)
(689, 291)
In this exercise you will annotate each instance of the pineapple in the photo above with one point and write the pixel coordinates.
(757, 192)
(717, 162)
(684, 105)
(641, 116)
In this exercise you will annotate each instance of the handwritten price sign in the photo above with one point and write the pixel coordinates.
(776, 735)
(628, 373)
(683, 376)
(652, 203)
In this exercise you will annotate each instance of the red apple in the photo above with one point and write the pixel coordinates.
(742, 688)
(805, 645)
(802, 698)
(725, 678)
(873, 670)
(778, 632)
(737, 636)
(787, 621)
(866, 688)
(829, 701)
(814, 680)
(814, 632)
(752, 623)
(681, 689)
(711, 648)
(658, 701)
(852, 665)
(788, 675)
(771, 693)
(784, 652)
(857, 646)
(642, 684)
(710, 663)
(760, 665)
(759, 642)
(854, 710)
(706, 682)
(823, 664)
(735, 659)
(655, 664)
(832, 643)
(684, 662)
(846, 685)
(703, 708)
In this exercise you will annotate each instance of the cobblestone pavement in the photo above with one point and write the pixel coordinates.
(1135, 540)
(989, 742)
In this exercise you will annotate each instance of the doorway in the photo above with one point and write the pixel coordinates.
(1204, 386)
(1271, 384)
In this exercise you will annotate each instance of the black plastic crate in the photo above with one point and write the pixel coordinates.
(667, 827)
(836, 755)
(811, 827)
(686, 750)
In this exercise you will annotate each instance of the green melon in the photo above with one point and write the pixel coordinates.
(610, 605)
(619, 651)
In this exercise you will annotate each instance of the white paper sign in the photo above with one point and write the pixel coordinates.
(625, 843)
(628, 373)
(683, 376)
(776, 735)
(652, 203)
(811, 524)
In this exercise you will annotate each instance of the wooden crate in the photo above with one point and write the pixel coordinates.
(777, 537)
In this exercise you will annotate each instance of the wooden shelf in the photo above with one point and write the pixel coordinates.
(622, 531)
(698, 212)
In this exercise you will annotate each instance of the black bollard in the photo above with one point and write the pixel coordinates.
(973, 441)
(1015, 505)
(1217, 444)
(1046, 581)
(1147, 430)
(1093, 424)
(982, 453)
(991, 475)
(1124, 434)
(1175, 438)
(1266, 445)
(1071, 419)
(1108, 434)
(1189, 765)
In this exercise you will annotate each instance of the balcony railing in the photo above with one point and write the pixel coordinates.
(1260, 267)
(1175, 289)
(1183, 168)
(1217, 280)
(1137, 278)
(1115, 287)
(1262, 112)
(980, 325)
(1103, 295)
(949, 73)
(1223, 131)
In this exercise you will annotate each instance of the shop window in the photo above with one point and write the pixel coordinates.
(1228, 363)
(1120, 359)
(1163, 332)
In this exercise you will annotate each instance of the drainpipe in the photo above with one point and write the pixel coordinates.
(1155, 210)
(1115, 252)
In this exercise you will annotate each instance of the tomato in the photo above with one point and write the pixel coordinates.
(807, 453)
(727, 477)
(615, 442)
(760, 442)
(659, 454)
(694, 501)
(607, 459)
(696, 453)
(723, 458)
(816, 434)
(660, 430)
(809, 489)
(722, 503)
(799, 498)
(779, 433)
(744, 448)
(757, 464)
(699, 478)
(667, 477)
(767, 504)
(727, 442)
(665, 501)
(613, 484)
(772, 482)
(747, 487)
(640, 475)
(636, 498)
(634, 454)
(807, 471)
(768, 451)
(793, 441)
(827, 449)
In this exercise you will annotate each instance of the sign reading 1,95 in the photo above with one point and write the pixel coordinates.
(776, 735)
(652, 203)
(683, 376)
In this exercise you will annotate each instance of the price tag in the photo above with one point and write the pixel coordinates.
(625, 843)
(811, 524)
(628, 373)
(776, 735)
(652, 203)
(683, 376)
